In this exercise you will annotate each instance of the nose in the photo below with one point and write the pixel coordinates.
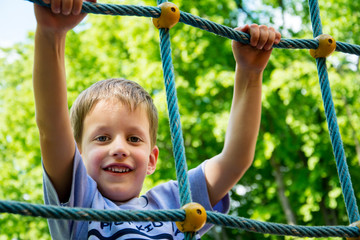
(118, 149)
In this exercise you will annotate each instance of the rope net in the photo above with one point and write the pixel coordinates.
(85, 214)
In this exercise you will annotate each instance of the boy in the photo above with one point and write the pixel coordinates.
(114, 123)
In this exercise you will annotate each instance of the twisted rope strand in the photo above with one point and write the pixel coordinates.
(89, 214)
(242, 37)
(315, 18)
(348, 48)
(281, 229)
(174, 118)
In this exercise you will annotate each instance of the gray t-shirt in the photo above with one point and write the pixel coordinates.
(84, 193)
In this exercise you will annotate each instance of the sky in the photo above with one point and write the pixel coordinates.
(16, 20)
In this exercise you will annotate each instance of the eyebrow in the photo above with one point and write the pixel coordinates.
(138, 130)
(97, 129)
(132, 129)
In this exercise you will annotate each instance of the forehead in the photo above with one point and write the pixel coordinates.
(112, 111)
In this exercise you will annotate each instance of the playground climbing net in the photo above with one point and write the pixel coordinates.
(179, 215)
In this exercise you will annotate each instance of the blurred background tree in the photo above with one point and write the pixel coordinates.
(293, 178)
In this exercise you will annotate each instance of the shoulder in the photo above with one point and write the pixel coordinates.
(166, 195)
(163, 196)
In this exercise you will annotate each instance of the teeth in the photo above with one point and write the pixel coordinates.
(118, 170)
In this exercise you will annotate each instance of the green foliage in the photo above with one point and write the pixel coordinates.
(20, 165)
(293, 141)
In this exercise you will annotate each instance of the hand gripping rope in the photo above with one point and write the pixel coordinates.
(320, 47)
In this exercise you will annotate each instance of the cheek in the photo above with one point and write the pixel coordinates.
(93, 159)
(141, 153)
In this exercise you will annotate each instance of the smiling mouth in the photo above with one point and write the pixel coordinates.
(117, 170)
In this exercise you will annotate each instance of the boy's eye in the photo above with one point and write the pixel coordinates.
(134, 139)
(102, 138)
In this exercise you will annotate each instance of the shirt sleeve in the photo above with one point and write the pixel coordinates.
(200, 194)
(166, 196)
(83, 189)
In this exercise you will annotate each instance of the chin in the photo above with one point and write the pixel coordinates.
(118, 198)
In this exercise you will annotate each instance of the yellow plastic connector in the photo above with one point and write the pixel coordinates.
(195, 218)
(354, 224)
(327, 45)
(170, 15)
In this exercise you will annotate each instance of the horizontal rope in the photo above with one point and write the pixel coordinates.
(281, 229)
(114, 9)
(88, 214)
(198, 22)
(242, 37)
(348, 48)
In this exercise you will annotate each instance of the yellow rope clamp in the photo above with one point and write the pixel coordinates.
(195, 218)
(327, 45)
(354, 224)
(169, 17)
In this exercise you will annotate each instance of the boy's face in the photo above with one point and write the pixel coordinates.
(116, 149)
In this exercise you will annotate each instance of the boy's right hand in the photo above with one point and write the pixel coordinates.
(255, 56)
(63, 15)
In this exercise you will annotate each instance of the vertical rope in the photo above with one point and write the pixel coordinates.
(174, 118)
(337, 144)
(315, 17)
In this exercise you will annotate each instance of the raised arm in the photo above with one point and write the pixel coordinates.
(225, 170)
(52, 117)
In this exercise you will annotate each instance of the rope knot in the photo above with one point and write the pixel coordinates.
(169, 17)
(354, 224)
(327, 45)
(195, 218)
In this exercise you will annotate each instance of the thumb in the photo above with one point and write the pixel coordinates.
(244, 29)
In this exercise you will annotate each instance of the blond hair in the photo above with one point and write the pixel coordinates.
(126, 91)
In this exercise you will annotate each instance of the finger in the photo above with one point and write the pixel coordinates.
(244, 29)
(66, 7)
(271, 39)
(277, 37)
(46, 1)
(264, 36)
(55, 6)
(254, 35)
(77, 6)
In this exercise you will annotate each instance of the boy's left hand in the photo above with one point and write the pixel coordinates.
(61, 17)
(255, 56)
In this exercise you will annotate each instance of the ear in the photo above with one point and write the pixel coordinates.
(152, 160)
